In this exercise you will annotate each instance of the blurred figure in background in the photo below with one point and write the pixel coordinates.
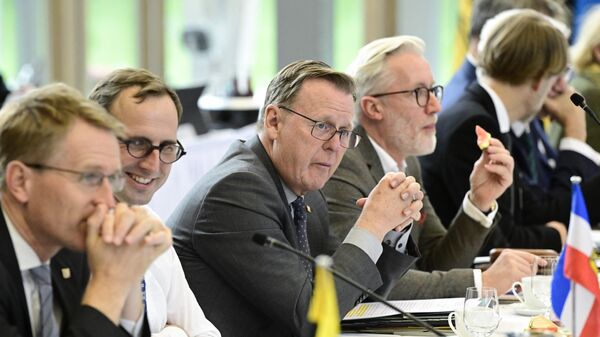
(4, 92)
(586, 62)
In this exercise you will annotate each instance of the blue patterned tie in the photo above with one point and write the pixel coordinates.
(41, 276)
(300, 221)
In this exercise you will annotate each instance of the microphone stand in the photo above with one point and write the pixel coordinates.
(579, 101)
(264, 240)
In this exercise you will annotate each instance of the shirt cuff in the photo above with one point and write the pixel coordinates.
(398, 240)
(366, 241)
(486, 220)
(572, 144)
(133, 328)
(477, 278)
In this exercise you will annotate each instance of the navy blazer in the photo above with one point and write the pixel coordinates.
(459, 82)
(77, 319)
(524, 210)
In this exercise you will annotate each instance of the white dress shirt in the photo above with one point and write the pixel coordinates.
(389, 165)
(171, 306)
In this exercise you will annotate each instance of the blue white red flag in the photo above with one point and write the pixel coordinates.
(575, 290)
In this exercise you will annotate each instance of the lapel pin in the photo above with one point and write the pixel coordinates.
(66, 273)
(308, 209)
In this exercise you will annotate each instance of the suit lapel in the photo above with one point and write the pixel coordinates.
(366, 149)
(8, 258)
(288, 226)
(69, 278)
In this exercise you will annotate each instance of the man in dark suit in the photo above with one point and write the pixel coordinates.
(60, 165)
(270, 185)
(532, 150)
(397, 110)
(518, 73)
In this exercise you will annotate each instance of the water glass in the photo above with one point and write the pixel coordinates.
(481, 312)
(541, 276)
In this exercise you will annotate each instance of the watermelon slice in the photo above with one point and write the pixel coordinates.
(483, 138)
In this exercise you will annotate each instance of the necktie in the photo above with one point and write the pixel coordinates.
(41, 276)
(300, 221)
(531, 157)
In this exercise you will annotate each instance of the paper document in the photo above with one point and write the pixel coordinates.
(376, 309)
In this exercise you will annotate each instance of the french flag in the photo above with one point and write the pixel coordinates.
(575, 292)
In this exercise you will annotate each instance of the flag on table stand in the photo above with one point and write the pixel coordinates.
(323, 309)
(575, 292)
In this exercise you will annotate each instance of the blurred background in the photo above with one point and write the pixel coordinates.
(219, 55)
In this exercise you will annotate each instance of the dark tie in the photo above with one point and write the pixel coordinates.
(300, 221)
(41, 276)
(531, 156)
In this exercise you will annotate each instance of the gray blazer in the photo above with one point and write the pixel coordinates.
(248, 290)
(441, 249)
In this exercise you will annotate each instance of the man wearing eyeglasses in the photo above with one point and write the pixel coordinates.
(270, 185)
(151, 111)
(397, 125)
(59, 169)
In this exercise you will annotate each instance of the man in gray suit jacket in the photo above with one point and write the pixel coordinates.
(397, 125)
(304, 129)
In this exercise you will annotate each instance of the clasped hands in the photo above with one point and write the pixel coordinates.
(120, 245)
(125, 239)
(393, 204)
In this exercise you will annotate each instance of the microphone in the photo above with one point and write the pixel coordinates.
(579, 101)
(265, 240)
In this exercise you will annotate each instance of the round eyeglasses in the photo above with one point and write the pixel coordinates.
(325, 131)
(421, 94)
(142, 147)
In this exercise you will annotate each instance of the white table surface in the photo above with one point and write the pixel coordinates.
(511, 322)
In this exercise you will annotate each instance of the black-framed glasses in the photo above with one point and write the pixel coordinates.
(421, 94)
(168, 152)
(88, 178)
(325, 131)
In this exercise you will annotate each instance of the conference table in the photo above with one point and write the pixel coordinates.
(511, 323)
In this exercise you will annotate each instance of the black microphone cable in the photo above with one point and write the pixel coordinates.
(265, 240)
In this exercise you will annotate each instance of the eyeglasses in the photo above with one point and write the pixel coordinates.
(325, 131)
(421, 94)
(88, 178)
(142, 147)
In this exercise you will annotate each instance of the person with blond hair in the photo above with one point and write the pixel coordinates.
(585, 54)
(59, 168)
(522, 54)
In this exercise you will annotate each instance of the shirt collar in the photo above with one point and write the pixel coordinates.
(501, 113)
(289, 194)
(387, 162)
(519, 128)
(26, 256)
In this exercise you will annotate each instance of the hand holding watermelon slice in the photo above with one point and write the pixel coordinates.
(483, 138)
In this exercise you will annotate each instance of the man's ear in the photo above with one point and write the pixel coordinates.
(272, 121)
(536, 83)
(371, 108)
(18, 180)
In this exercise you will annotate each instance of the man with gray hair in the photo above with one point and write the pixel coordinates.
(396, 110)
(271, 185)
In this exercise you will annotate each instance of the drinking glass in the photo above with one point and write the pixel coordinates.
(481, 311)
(542, 270)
